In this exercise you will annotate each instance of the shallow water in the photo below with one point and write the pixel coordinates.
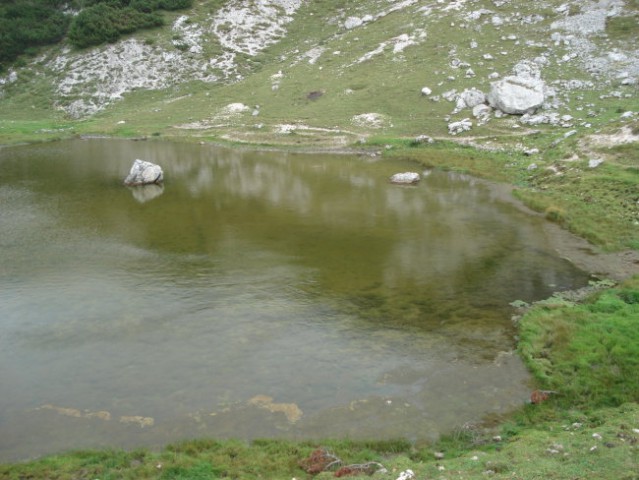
(253, 295)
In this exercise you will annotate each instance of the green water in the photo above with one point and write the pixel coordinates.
(255, 294)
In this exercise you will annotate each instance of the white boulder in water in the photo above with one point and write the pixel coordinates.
(144, 173)
(405, 178)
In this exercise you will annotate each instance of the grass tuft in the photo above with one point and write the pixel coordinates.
(588, 353)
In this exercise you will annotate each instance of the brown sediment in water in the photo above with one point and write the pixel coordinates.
(75, 413)
(291, 410)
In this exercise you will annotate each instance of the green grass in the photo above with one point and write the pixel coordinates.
(599, 204)
(588, 353)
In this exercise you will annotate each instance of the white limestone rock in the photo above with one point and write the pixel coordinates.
(517, 95)
(406, 178)
(461, 126)
(482, 112)
(471, 97)
(144, 173)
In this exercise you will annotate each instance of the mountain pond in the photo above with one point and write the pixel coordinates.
(255, 294)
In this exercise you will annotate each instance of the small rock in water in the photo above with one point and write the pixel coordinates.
(406, 178)
(144, 173)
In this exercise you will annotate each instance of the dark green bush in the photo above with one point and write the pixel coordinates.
(103, 23)
(93, 26)
(27, 24)
(174, 4)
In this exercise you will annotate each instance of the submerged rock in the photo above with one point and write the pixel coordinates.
(144, 173)
(406, 178)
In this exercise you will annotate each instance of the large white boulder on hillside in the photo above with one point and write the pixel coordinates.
(144, 173)
(517, 95)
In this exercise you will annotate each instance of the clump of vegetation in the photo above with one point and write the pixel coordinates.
(26, 25)
(622, 26)
(589, 353)
(104, 21)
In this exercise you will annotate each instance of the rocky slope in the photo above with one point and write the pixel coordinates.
(465, 63)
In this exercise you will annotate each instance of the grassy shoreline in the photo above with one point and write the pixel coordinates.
(585, 350)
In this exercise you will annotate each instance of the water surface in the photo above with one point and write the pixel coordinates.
(255, 294)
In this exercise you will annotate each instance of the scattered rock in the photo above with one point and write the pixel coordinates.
(471, 98)
(235, 109)
(370, 120)
(595, 162)
(315, 94)
(526, 69)
(450, 95)
(424, 139)
(144, 173)
(354, 22)
(461, 126)
(406, 178)
(551, 118)
(426, 91)
(406, 475)
(482, 113)
(570, 133)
